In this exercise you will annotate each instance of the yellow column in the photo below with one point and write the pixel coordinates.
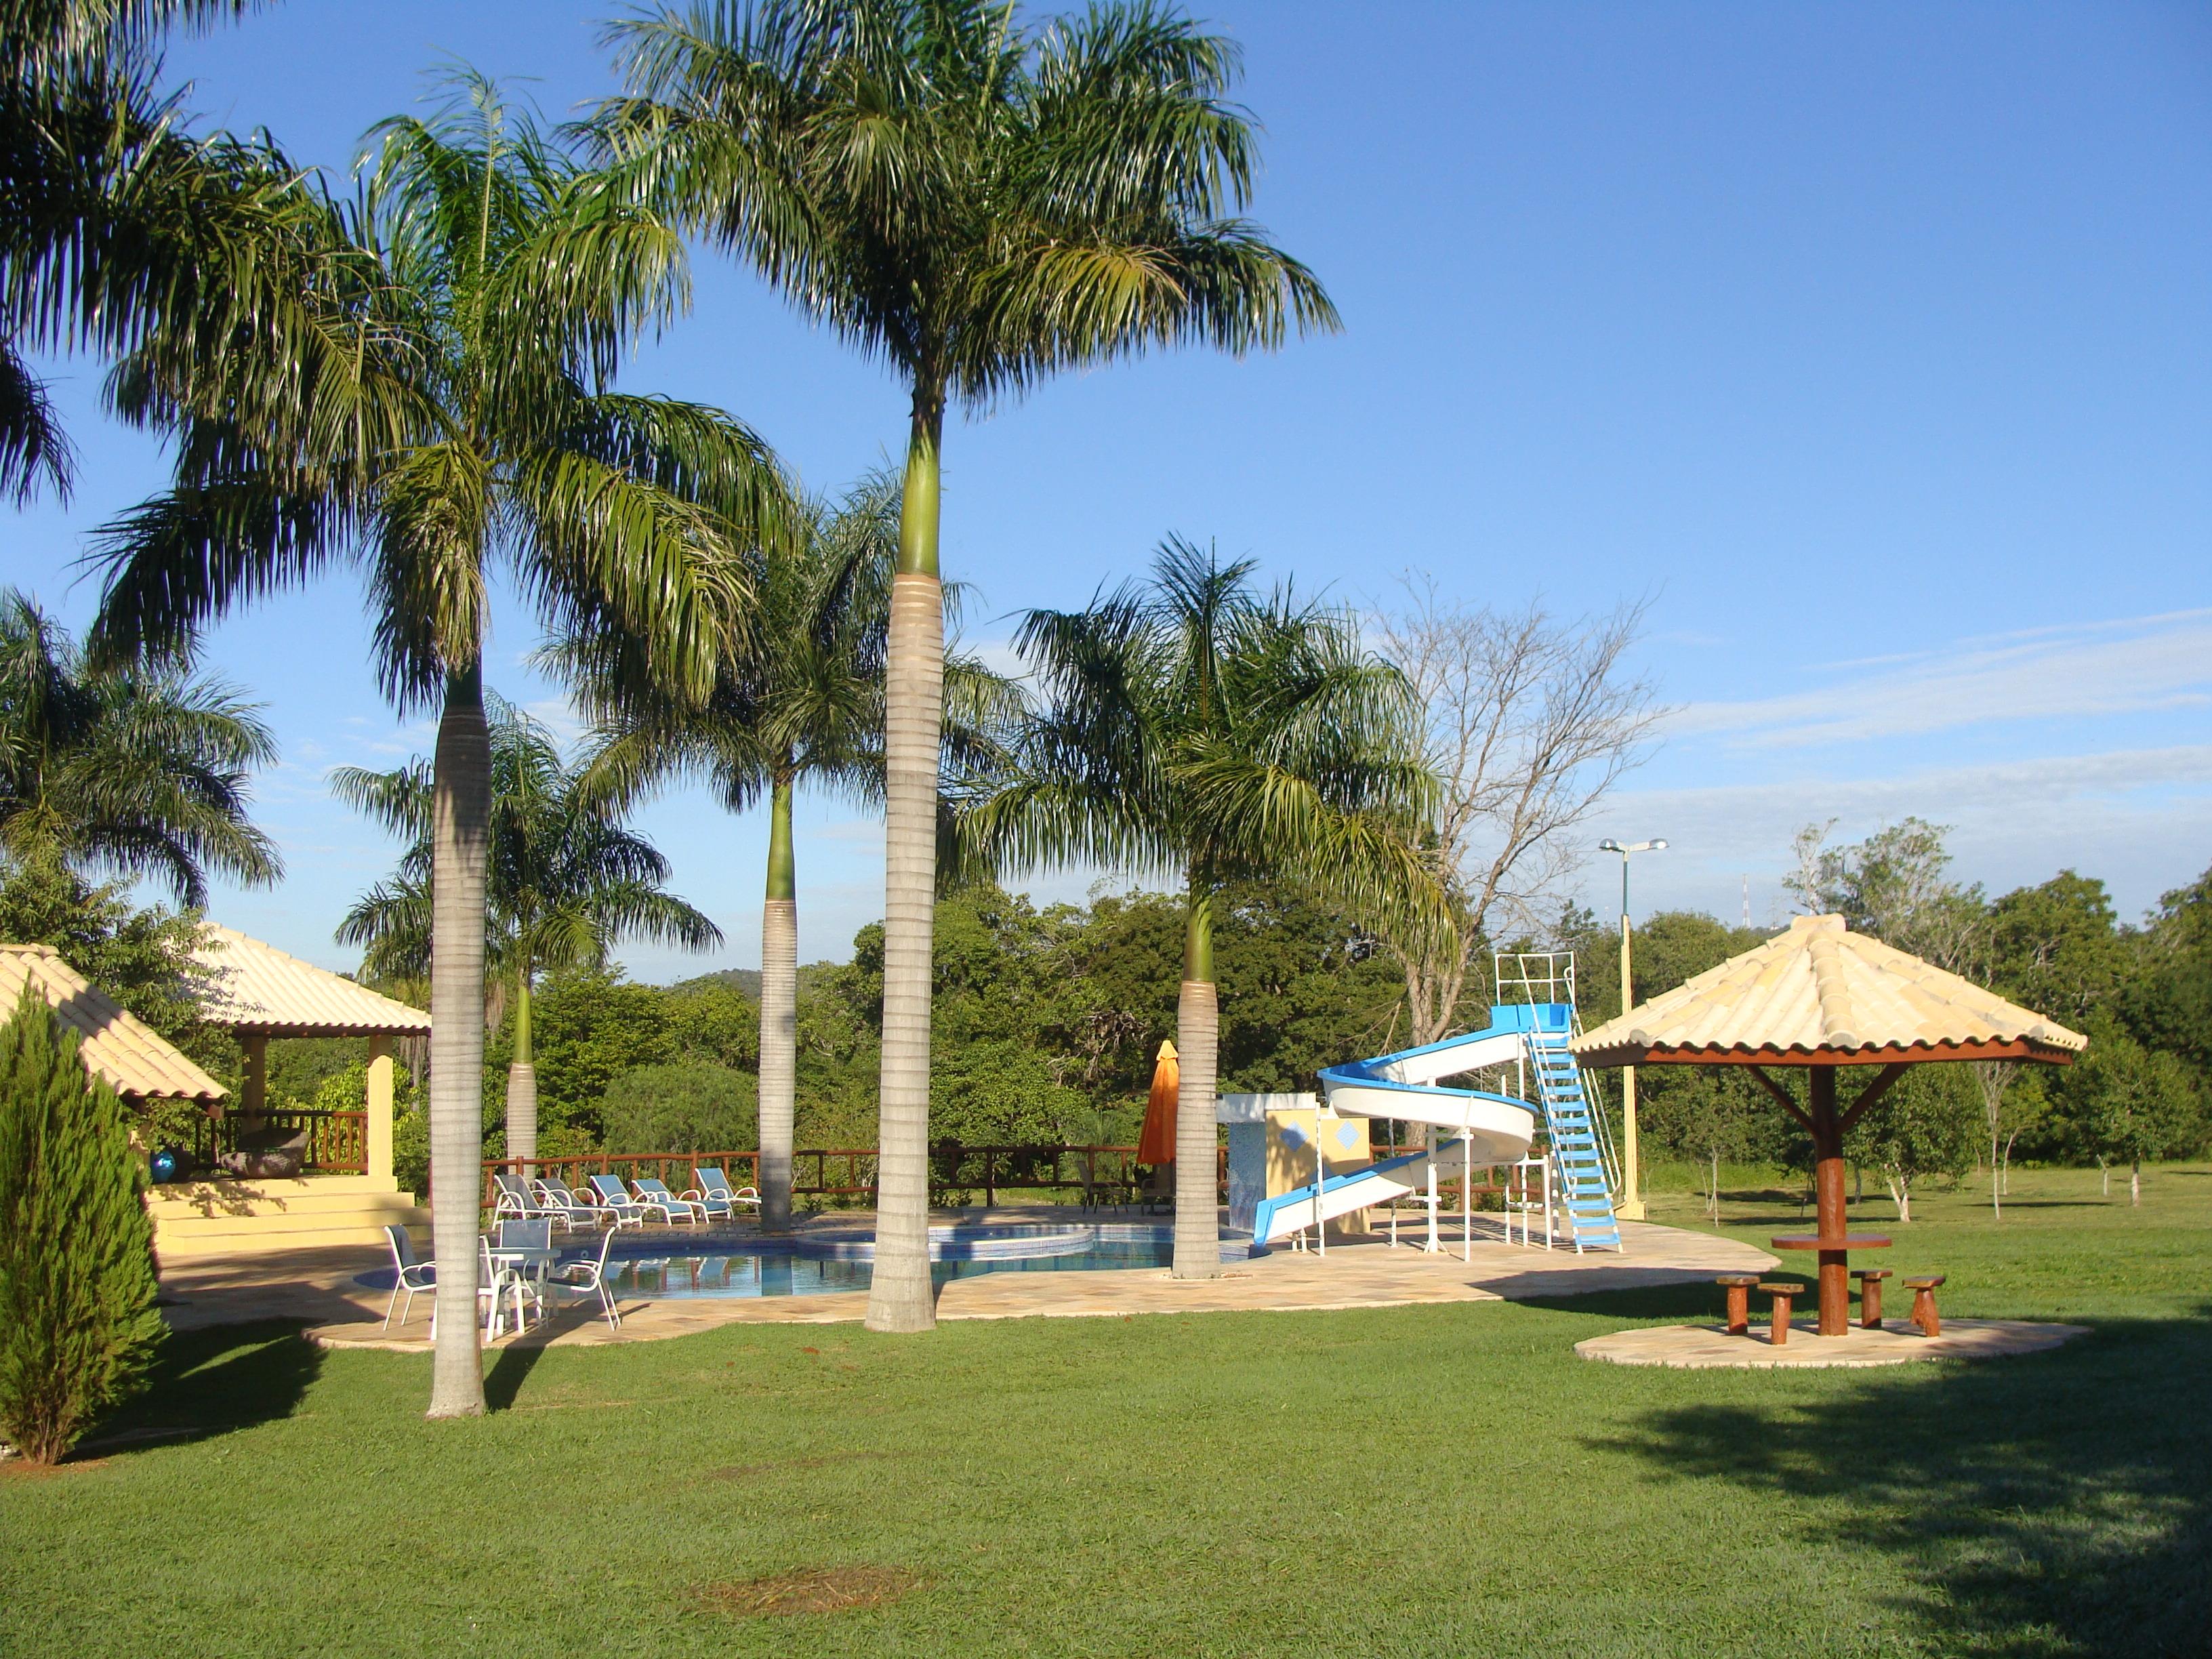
(1631, 1201)
(379, 1107)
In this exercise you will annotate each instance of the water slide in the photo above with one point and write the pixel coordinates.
(1474, 1127)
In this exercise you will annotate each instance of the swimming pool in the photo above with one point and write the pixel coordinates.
(681, 1262)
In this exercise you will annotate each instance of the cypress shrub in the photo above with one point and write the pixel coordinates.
(78, 1326)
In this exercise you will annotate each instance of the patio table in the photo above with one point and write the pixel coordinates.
(1835, 1270)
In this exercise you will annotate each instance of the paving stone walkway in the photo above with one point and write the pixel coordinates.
(1700, 1347)
(319, 1287)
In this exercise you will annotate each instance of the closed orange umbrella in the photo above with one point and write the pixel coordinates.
(1155, 1146)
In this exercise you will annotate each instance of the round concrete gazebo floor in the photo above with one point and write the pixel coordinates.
(1899, 1342)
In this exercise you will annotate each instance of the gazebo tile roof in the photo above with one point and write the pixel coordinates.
(254, 986)
(134, 1058)
(1821, 989)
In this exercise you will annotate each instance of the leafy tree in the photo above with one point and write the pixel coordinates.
(138, 772)
(1191, 724)
(78, 1326)
(2126, 1104)
(686, 1106)
(484, 290)
(143, 958)
(1895, 885)
(565, 883)
(2167, 1001)
(2056, 948)
(1926, 1125)
(982, 205)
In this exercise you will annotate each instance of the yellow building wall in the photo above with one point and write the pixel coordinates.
(1345, 1147)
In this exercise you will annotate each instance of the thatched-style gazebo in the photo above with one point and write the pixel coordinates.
(1820, 997)
(259, 991)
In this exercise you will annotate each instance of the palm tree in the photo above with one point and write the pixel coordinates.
(1192, 726)
(140, 772)
(804, 708)
(468, 432)
(123, 231)
(982, 205)
(564, 884)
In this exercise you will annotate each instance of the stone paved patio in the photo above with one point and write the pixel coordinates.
(317, 1287)
(1700, 1347)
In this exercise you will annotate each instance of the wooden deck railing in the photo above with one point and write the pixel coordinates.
(337, 1142)
(1098, 1174)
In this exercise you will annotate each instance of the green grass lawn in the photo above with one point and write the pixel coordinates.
(1423, 1480)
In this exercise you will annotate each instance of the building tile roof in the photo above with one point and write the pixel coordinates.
(135, 1059)
(254, 986)
(1820, 993)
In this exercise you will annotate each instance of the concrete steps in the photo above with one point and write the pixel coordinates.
(237, 1217)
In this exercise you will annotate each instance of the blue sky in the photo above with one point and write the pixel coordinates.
(1871, 343)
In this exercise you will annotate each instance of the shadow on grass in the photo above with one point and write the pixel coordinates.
(1698, 1301)
(503, 1381)
(2059, 1504)
(213, 1382)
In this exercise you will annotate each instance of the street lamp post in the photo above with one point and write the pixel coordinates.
(1632, 1199)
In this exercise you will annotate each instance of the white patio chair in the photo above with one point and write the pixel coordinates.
(413, 1275)
(587, 1276)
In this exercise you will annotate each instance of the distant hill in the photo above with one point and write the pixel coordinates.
(744, 979)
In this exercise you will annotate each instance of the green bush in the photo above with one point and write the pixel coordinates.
(692, 1106)
(77, 1323)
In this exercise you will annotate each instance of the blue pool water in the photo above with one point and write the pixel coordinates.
(679, 1262)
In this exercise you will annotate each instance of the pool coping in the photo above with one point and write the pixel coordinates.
(1366, 1274)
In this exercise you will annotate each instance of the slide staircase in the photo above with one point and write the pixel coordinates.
(1576, 1157)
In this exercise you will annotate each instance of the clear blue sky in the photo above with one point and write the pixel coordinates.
(1872, 342)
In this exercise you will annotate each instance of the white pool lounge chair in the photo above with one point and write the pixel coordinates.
(557, 1204)
(617, 1203)
(720, 1197)
(512, 1198)
(655, 1194)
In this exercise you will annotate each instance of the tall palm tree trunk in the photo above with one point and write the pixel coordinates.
(460, 814)
(778, 1015)
(1198, 1039)
(522, 1080)
(914, 693)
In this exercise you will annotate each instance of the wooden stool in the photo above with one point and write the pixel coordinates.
(1924, 1303)
(1738, 1286)
(1869, 1280)
(1777, 1320)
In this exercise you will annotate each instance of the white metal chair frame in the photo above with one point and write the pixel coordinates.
(717, 1195)
(560, 1204)
(626, 1211)
(653, 1192)
(588, 1277)
(414, 1275)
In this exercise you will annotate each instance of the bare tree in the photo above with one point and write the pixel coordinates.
(1531, 720)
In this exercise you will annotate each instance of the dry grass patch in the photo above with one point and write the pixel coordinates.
(807, 1589)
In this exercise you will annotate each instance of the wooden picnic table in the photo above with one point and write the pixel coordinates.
(1835, 1271)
